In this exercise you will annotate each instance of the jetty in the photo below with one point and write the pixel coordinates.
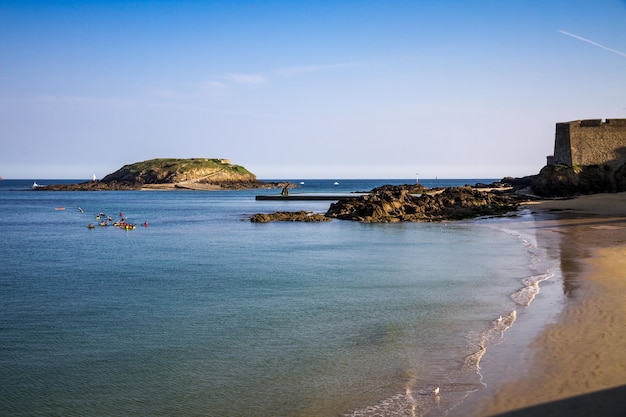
(307, 197)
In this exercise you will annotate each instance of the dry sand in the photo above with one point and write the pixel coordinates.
(576, 366)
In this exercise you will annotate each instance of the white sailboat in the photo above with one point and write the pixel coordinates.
(95, 178)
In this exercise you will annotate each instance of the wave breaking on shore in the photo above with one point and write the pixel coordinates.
(434, 398)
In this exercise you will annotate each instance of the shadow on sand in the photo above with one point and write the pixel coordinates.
(606, 403)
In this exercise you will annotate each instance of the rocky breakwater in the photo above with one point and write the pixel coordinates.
(398, 205)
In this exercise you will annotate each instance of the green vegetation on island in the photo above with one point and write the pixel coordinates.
(173, 173)
(184, 165)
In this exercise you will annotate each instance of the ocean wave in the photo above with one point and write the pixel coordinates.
(524, 296)
(490, 337)
(427, 400)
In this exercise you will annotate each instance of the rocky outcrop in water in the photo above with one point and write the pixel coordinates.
(289, 216)
(398, 205)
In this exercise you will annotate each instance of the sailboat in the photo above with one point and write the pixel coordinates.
(95, 178)
(35, 185)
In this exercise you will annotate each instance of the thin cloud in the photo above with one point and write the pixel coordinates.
(66, 99)
(213, 84)
(78, 100)
(170, 94)
(245, 78)
(291, 71)
(580, 38)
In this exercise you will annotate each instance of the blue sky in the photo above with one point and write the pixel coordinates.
(304, 89)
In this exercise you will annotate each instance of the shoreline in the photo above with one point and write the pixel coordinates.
(573, 361)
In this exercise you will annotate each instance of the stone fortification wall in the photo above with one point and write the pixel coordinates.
(590, 142)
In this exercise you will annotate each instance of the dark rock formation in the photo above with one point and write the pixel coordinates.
(517, 183)
(288, 216)
(410, 188)
(88, 186)
(497, 184)
(564, 181)
(398, 205)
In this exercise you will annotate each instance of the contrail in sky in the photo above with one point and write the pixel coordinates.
(580, 38)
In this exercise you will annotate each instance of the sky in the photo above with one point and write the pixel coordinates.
(304, 89)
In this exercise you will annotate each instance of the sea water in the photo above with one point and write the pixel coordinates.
(202, 312)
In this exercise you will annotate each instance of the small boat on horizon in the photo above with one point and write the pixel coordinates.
(35, 185)
(336, 183)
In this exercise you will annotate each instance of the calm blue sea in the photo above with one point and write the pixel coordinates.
(203, 313)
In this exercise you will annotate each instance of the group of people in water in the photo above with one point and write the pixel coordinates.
(108, 221)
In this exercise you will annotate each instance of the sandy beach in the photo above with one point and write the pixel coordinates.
(576, 365)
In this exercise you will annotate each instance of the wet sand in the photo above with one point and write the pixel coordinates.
(576, 363)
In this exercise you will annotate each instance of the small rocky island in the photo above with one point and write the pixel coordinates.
(171, 173)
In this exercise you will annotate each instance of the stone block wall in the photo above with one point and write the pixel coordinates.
(590, 142)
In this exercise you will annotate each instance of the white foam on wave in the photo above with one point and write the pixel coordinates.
(400, 404)
(490, 337)
(524, 296)
(419, 402)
